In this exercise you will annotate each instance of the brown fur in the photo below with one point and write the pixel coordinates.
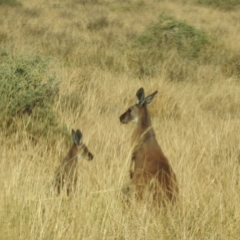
(150, 170)
(66, 174)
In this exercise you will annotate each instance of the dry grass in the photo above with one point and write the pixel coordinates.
(196, 122)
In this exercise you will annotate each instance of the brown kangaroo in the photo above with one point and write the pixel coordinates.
(66, 174)
(150, 170)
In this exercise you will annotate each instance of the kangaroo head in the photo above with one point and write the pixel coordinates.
(133, 112)
(82, 150)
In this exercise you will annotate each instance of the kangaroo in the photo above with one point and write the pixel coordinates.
(150, 170)
(66, 174)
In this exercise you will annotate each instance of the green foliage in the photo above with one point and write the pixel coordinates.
(222, 4)
(28, 94)
(170, 33)
(174, 40)
(12, 3)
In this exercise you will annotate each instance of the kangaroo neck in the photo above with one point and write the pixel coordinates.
(144, 125)
(144, 120)
(73, 153)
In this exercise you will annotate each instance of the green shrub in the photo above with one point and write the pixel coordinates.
(28, 94)
(222, 4)
(170, 39)
(170, 33)
(12, 3)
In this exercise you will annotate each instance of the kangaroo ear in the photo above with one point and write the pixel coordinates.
(140, 97)
(149, 98)
(77, 137)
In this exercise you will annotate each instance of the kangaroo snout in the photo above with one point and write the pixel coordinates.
(122, 118)
(90, 157)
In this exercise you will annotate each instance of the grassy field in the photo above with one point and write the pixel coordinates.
(99, 53)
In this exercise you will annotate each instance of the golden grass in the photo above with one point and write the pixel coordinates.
(196, 123)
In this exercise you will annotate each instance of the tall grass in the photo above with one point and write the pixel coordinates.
(91, 50)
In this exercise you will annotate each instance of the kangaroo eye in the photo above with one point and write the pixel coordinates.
(129, 110)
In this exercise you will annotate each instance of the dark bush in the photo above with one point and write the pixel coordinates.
(221, 4)
(170, 33)
(28, 94)
(12, 3)
(98, 23)
(171, 39)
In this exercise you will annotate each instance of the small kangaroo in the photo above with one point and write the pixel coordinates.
(149, 169)
(66, 174)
